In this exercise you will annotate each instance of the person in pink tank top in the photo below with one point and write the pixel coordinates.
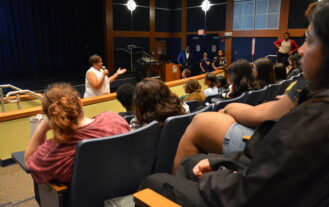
(52, 159)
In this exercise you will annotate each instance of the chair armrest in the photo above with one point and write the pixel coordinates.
(19, 158)
(148, 197)
(59, 188)
(246, 138)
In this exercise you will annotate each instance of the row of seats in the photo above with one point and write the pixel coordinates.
(268, 93)
(114, 166)
(110, 167)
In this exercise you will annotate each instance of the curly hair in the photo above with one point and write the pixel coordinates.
(62, 106)
(192, 85)
(153, 100)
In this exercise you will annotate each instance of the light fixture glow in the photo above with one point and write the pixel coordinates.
(205, 5)
(131, 5)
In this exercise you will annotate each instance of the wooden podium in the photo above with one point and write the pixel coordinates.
(170, 72)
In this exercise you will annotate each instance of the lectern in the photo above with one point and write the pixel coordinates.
(170, 72)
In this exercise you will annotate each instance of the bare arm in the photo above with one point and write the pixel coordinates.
(93, 81)
(202, 67)
(38, 138)
(253, 116)
(117, 74)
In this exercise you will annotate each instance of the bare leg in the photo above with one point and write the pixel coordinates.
(205, 134)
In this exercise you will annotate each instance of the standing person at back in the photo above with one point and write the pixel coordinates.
(97, 83)
(205, 64)
(184, 58)
(219, 62)
(286, 47)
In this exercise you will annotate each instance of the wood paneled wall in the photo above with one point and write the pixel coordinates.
(152, 34)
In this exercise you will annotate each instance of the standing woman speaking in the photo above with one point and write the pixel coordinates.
(286, 47)
(97, 82)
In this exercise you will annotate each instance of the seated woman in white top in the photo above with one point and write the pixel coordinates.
(97, 82)
(210, 81)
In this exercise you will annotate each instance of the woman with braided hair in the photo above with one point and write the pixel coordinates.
(52, 159)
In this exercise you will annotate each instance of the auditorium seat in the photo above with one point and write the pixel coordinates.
(273, 90)
(255, 97)
(194, 105)
(220, 104)
(128, 118)
(209, 98)
(105, 168)
(171, 133)
(285, 84)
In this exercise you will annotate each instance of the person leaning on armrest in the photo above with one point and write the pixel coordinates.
(97, 82)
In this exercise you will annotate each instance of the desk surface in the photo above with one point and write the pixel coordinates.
(19, 158)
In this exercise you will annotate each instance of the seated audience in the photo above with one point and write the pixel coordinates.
(205, 64)
(186, 73)
(52, 159)
(153, 100)
(264, 72)
(280, 159)
(193, 89)
(242, 78)
(219, 62)
(210, 80)
(229, 125)
(125, 95)
(294, 67)
(280, 72)
(97, 82)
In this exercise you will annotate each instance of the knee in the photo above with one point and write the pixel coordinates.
(154, 182)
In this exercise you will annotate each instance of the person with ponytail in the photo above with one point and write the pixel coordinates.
(52, 159)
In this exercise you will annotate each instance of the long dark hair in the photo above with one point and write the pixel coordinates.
(265, 72)
(242, 79)
(280, 71)
(153, 100)
(318, 14)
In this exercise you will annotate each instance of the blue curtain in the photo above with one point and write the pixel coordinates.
(48, 39)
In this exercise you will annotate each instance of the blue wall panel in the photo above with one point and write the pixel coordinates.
(173, 48)
(242, 47)
(264, 47)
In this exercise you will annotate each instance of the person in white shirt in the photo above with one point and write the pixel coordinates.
(97, 82)
(210, 80)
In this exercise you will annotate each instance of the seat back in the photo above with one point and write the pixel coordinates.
(256, 97)
(285, 84)
(296, 77)
(272, 91)
(208, 98)
(193, 105)
(128, 118)
(222, 103)
(171, 133)
(114, 166)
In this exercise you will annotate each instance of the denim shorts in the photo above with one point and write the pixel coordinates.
(233, 138)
